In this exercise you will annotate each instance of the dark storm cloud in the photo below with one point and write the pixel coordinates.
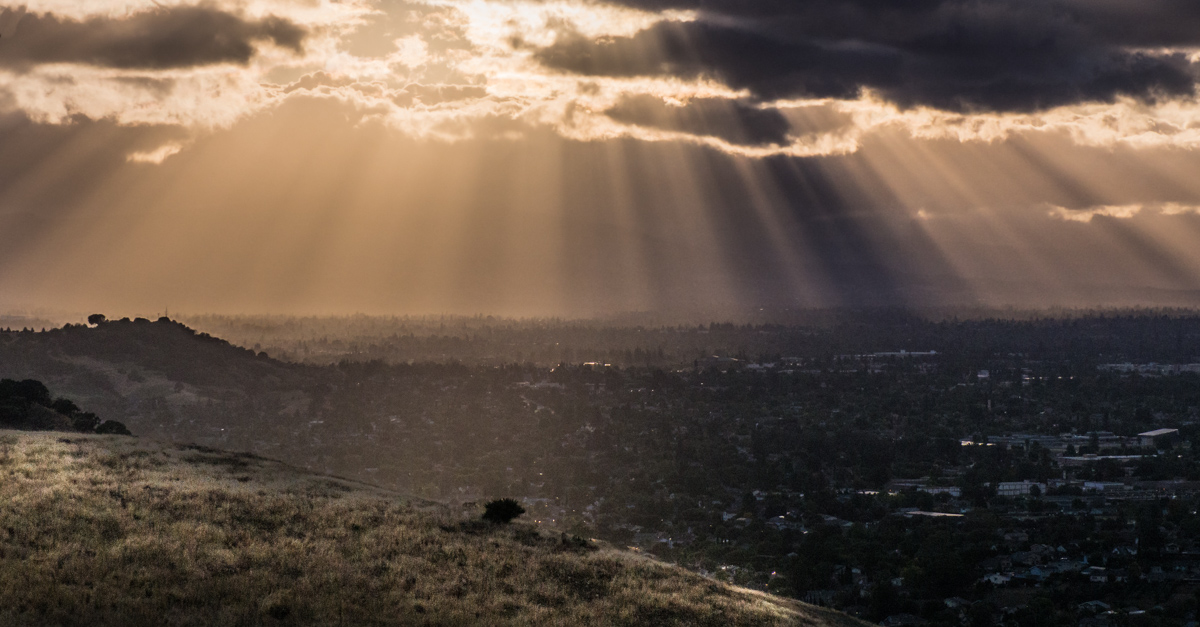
(729, 120)
(162, 38)
(963, 55)
(1140, 22)
(741, 58)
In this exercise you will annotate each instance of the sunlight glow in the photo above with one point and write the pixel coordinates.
(422, 156)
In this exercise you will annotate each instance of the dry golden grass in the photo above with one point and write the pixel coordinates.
(109, 530)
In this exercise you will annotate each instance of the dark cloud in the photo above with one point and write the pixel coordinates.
(962, 55)
(1115, 22)
(160, 38)
(732, 121)
(1140, 22)
(740, 58)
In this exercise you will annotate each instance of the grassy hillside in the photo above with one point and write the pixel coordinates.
(114, 530)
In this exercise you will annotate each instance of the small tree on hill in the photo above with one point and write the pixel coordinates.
(84, 421)
(96, 319)
(502, 511)
(112, 427)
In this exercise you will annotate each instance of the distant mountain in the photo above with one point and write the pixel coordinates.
(101, 530)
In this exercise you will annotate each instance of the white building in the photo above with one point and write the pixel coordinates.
(1157, 436)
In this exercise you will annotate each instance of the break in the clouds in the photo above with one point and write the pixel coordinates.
(159, 38)
(958, 55)
(732, 121)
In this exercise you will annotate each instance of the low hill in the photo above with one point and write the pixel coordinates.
(164, 346)
(109, 530)
(161, 378)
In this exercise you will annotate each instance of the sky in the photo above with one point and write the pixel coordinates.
(578, 158)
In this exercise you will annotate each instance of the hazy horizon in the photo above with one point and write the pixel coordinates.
(366, 325)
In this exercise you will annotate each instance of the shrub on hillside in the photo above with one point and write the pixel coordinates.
(502, 511)
(85, 421)
(112, 427)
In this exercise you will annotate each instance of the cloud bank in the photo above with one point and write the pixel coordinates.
(162, 38)
(955, 55)
(729, 75)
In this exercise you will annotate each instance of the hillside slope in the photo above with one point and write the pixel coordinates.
(165, 347)
(161, 379)
(108, 530)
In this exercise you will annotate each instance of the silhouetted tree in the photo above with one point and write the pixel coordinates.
(96, 318)
(85, 422)
(64, 406)
(28, 390)
(112, 427)
(502, 510)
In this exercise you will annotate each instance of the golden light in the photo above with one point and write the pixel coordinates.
(418, 157)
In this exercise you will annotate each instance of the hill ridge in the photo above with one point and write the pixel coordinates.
(107, 530)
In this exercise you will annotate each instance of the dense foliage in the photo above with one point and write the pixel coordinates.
(502, 511)
(27, 404)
